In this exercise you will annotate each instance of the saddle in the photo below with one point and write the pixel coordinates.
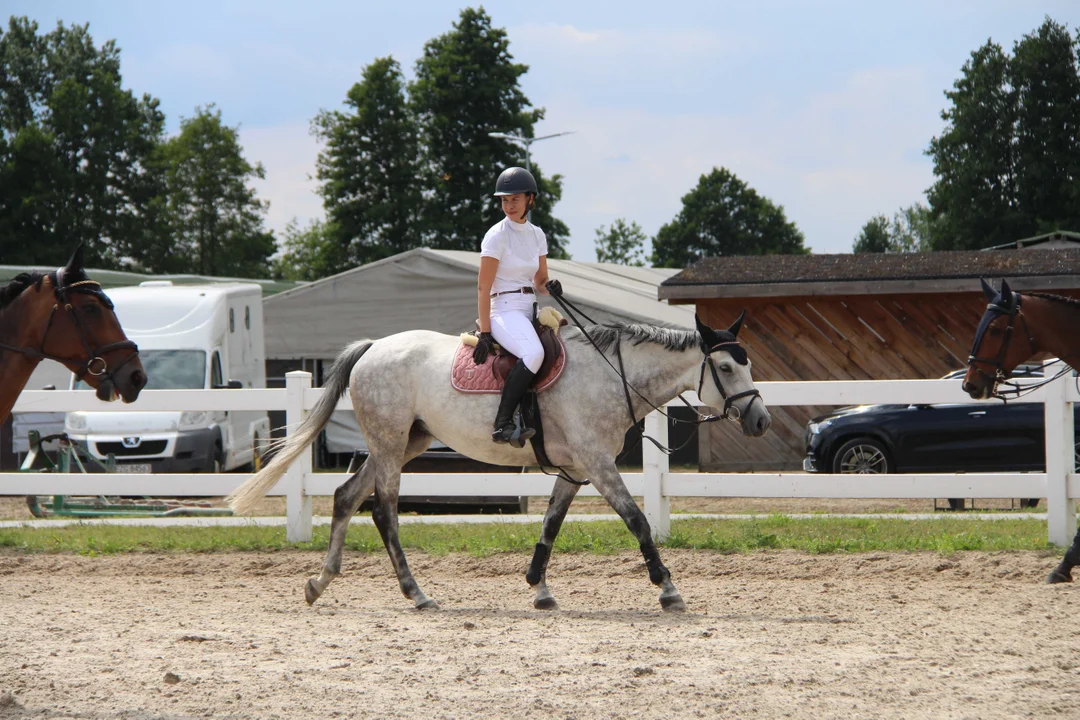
(489, 377)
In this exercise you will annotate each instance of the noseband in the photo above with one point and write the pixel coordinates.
(728, 399)
(998, 363)
(95, 364)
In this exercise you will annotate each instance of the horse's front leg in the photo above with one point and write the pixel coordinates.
(609, 483)
(1063, 572)
(561, 496)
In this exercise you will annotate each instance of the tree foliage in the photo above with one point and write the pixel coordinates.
(623, 243)
(908, 231)
(725, 216)
(212, 219)
(369, 171)
(75, 148)
(1008, 162)
(310, 252)
(467, 85)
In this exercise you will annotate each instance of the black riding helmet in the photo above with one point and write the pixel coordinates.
(515, 180)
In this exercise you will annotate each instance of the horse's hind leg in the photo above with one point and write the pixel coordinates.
(347, 499)
(561, 496)
(386, 520)
(1063, 572)
(610, 484)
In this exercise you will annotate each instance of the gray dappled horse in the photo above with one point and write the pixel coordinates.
(401, 392)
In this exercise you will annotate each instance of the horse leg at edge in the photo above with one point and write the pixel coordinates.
(1063, 572)
(347, 499)
(610, 484)
(561, 496)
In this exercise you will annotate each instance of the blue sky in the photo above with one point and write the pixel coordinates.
(825, 107)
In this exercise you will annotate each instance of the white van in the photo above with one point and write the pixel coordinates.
(189, 337)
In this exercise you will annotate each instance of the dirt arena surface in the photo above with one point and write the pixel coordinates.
(767, 635)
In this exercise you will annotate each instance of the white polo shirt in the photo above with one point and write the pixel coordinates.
(517, 247)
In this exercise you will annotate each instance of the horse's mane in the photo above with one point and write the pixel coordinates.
(1057, 298)
(19, 283)
(606, 335)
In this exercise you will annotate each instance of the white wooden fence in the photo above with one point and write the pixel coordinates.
(1059, 484)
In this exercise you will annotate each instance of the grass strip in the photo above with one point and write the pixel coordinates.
(812, 535)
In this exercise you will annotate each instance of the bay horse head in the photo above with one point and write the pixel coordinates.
(997, 350)
(732, 389)
(66, 317)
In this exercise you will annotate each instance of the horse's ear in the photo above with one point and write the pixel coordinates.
(76, 261)
(1008, 297)
(708, 335)
(737, 325)
(988, 290)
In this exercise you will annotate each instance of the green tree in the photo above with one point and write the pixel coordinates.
(213, 219)
(555, 230)
(1044, 76)
(622, 243)
(725, 216)
(369, 171)
(466, 86)
(75, 149)
(874, 237)
(310, 252)
(973, 198)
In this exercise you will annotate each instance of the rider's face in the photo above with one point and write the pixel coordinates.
(513, 206)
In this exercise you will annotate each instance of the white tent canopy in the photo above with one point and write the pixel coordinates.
(436, 290)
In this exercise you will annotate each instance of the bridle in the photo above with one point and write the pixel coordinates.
(95, 364)
(729, 400)
(998, 363)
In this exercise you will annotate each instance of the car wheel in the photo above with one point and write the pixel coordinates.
(861, 455)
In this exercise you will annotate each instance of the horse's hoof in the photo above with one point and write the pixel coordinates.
(427, 604)
(1056, 576)
(311, 593)
(672, 603)
(546, 603)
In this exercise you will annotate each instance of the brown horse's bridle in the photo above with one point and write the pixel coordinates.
(95, 364)
(992, 311)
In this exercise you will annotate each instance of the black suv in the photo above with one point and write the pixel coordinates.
(950, 437)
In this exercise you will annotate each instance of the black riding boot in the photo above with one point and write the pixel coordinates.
(517, 382)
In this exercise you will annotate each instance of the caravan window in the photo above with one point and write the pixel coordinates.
(232, 320)
(216, 380)
(170, 370)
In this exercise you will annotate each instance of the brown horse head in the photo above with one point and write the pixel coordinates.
(1003, 340)
(65, 316)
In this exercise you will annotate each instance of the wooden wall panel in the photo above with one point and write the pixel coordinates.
(848, 337)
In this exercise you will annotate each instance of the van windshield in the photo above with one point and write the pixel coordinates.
(170, 370)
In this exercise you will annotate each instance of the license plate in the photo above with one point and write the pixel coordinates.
(133, 468)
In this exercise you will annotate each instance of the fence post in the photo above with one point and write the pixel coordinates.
(1060, 461)
(654, 465)
(297, 501)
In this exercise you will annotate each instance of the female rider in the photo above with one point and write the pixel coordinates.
(513, 268)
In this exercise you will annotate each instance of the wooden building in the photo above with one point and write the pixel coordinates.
(851, 317)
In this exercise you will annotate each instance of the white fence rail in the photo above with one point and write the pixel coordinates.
(1059, 484)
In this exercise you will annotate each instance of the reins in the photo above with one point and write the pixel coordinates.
(95, 364)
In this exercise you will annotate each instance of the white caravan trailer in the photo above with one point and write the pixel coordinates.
(189, 337)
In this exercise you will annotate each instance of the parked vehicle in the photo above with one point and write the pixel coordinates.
(946, 437)
(189, 337)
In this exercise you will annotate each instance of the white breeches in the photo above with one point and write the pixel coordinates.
(511, 326)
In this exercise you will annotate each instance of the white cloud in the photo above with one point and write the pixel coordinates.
(288, 154)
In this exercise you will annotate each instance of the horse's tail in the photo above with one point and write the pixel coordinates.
(245, 497)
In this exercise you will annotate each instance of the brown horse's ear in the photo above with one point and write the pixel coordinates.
(737, 325)
(76, 262)
(988, 290)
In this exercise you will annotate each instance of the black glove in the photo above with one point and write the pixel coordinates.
(485, 344)
(554, 287)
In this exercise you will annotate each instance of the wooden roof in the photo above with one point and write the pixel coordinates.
(871, 273)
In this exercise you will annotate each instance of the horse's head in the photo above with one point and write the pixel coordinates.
(731, 388)
(82, 332)
(996, 352)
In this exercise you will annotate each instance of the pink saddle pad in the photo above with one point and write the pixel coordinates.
(468, 377)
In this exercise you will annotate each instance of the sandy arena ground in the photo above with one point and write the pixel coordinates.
(769, 635)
